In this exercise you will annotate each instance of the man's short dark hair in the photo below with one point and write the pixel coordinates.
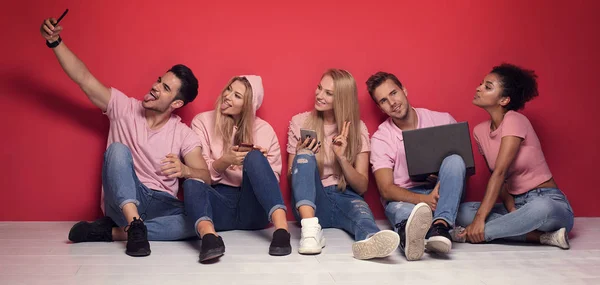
(379, 78)
(189, 84)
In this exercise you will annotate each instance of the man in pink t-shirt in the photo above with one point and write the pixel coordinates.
(409, 204)
(147, 148)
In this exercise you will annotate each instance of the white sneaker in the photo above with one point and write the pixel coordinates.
(381, 244)
(413, 230)
(558, 238)
(311, 238)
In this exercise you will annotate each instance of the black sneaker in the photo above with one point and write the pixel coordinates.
(137, 239)
(439, 239)
(99, 230)
(212, 247)
(280, 245)
(413, 230)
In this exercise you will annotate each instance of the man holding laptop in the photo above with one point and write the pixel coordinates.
(409, 202)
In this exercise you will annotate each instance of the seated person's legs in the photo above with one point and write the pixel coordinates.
(451, 187)
(260, 193)
(210, 209)
(121, 188)
(353, 215)
(538, 218)
(307, 192)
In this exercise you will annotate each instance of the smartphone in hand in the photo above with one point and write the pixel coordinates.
(245, 147)
(306, 133)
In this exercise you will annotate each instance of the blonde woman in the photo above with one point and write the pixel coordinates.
(329, 170)
(244, 160)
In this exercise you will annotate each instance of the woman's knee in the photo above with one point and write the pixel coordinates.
(541, 207)
(546, 208)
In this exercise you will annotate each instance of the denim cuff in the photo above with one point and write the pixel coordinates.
(450, 224)
(306, 203)
(275, 208)
(205, 218)
(135, 201)
(197, 179)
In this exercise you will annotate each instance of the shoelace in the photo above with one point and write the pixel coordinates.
(135, 230)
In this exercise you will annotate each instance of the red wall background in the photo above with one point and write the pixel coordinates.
(53, 138)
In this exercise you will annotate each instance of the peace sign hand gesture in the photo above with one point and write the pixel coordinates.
(340, 142)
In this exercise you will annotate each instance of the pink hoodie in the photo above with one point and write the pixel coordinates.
(212, 146)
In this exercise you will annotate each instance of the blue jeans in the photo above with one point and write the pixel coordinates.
(344, 210)
(452, 184)
(542, 209)
(248, 207)
(163, 214)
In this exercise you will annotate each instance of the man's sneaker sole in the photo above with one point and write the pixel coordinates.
(139, 253)
(417, 226)
(438, 244)
(313, 250)
(381, 244)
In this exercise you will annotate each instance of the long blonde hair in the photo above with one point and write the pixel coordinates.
(345, 108)
(224, 124)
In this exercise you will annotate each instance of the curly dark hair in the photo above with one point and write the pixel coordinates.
(519, 84)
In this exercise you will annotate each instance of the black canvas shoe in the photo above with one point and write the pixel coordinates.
(439, 239)
(280, 245)
(212, 247)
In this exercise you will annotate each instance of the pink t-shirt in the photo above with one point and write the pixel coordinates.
(529, 168)
(212, 147)
(387, 145)
(148, 147)
(329, 176)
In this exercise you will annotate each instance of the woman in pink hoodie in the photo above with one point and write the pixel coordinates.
(244, 159)
(329, 174)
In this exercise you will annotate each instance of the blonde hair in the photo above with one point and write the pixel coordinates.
(224, 124)
(345, 109)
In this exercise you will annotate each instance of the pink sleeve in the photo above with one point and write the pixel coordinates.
(381, 152)
(203, 134)
(451, 120)
(293, 136)
(118, 104)
(190, 140)
(478, 143)
(364, 137)
(514, 124)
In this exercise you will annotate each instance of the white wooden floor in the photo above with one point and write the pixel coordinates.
(38, 253)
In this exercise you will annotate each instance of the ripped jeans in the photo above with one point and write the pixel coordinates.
(344, 210)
